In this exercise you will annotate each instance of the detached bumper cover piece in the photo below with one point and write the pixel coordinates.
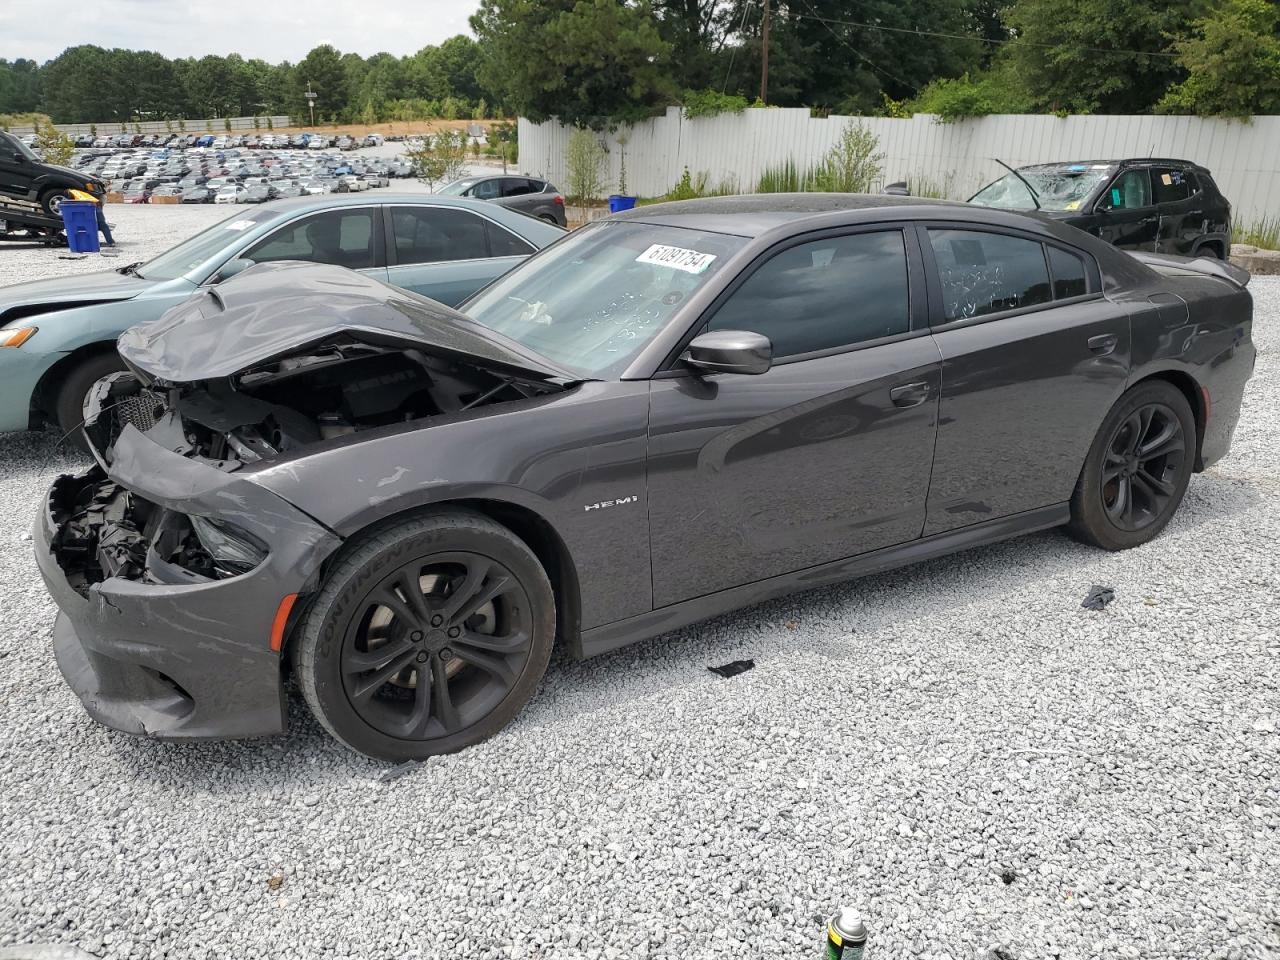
(149, 645)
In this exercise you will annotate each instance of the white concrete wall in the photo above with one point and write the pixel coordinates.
(1244, 157)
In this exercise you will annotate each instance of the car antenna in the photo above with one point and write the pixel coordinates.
(1035, 197)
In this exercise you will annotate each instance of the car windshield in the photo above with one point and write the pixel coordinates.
(457, 188)
(592, 301)
(189, 254)
(21, 147)
(1061, 188)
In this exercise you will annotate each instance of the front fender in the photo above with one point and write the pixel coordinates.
(568, 460)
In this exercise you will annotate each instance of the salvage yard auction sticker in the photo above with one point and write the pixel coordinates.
(678, 258)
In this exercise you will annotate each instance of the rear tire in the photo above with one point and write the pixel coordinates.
(399, 673)
(1137, 470)
(68, 405)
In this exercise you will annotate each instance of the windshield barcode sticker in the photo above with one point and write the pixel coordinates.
(678, 258)
(240, 225)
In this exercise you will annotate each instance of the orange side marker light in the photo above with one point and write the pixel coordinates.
(282, 617)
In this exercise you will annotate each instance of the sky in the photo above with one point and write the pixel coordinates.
(273, 30)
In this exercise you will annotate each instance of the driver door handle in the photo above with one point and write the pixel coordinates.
(910, 394)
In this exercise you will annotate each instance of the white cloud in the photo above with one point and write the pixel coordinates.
(272, 30)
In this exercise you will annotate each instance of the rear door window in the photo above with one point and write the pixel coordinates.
(517, 187)
(984, 273)
(504, 243)
(438, 235)
(1171, 184)
(1069, 276)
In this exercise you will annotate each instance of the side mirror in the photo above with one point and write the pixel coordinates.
(231, 268)
(19, 158)
(730, 351)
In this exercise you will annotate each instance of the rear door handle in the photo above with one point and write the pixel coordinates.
(1103, 344)
(909, 394)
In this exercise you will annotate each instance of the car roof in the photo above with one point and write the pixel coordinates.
(363, 200)
(751, 215)
(1108, 163)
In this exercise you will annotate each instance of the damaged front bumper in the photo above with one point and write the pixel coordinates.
(152, 642)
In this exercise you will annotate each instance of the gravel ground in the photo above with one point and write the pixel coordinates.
(981, 766)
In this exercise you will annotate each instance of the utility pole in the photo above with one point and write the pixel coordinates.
(311, 102)
(764, 56)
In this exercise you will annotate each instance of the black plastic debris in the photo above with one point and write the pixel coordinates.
(734, 668)
(1098, 598)
(1008, 875)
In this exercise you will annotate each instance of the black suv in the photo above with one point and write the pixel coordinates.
(1161, 206)
(24, 176)
(529, 195)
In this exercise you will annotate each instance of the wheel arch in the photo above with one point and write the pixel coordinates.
(1190, 388)
(1218, 247)
(45, 393)
(537, 533)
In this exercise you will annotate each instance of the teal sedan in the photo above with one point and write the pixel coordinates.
(58, 337)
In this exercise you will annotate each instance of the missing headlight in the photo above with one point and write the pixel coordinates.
(229, 550)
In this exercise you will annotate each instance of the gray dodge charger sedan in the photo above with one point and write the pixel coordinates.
(663, 416)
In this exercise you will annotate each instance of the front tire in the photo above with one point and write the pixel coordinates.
(68, 405)
(427, 636)
(51, 201)
(1137, 470)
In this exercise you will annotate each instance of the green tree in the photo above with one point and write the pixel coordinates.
(73, 84)
(589, 63)
(459, 61)
(439, 158)
(323, 69)
(1097, 56)
(20, 84)
(583, 163)
(54, 146)
(1233, 62)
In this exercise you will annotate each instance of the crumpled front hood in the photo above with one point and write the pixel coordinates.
(97, 287)
(275, 309)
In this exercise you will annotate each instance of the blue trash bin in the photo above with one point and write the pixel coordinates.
(619, 202)
(80, 217)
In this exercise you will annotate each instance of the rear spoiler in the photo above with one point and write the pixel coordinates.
(1208, 266)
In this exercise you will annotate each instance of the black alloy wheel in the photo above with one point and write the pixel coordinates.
(439, 643)
(429, 634)
(1140, 470)
(1137, 470)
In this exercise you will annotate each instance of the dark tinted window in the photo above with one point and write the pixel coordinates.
(518, 186)
(988, 272)
(343, 237)
(824, 294)
(1129, 191)
(504, 243)
(1068, 274)
(437, 235)
(1171, 184)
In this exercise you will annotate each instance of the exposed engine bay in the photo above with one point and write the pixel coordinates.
(327, 391)
(331, 390)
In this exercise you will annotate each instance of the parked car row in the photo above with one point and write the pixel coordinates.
(252, 141)
(236, 176)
